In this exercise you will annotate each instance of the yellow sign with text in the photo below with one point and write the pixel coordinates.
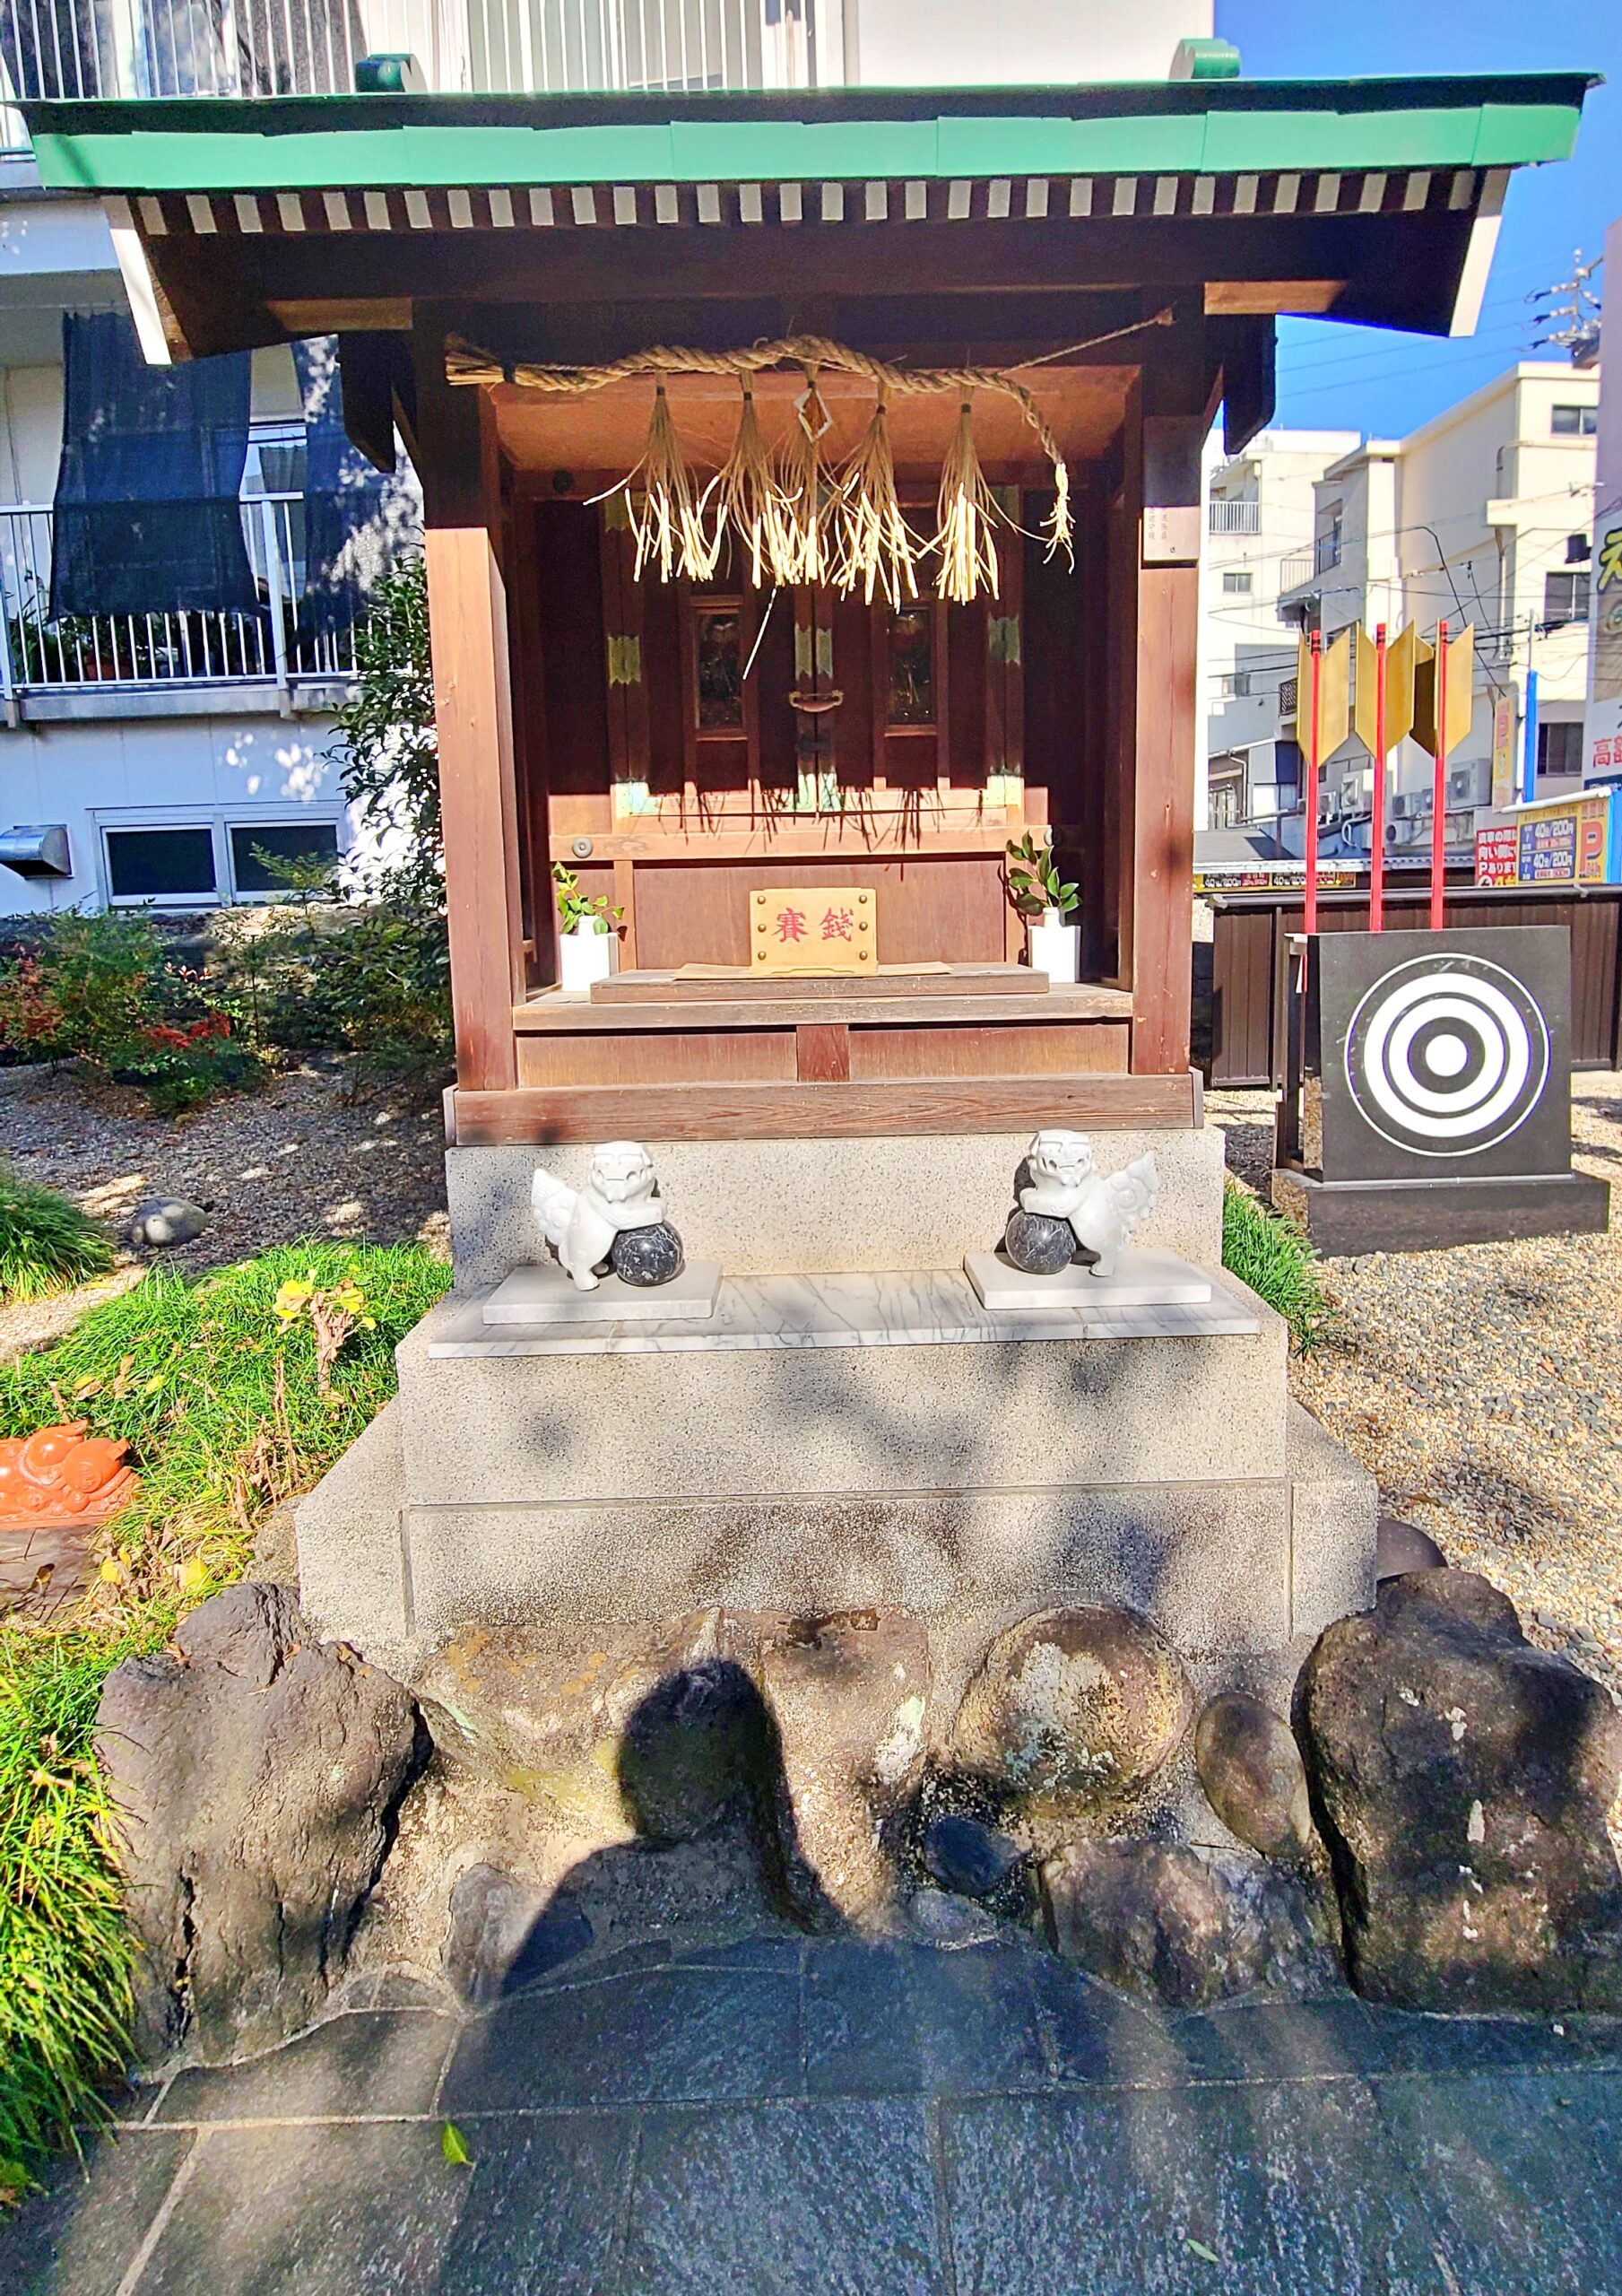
(814, 929)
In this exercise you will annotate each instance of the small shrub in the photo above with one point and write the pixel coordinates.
(46, 1242)
(66, 1953)
(367, 976)
(1271, 1255)
(101, 989)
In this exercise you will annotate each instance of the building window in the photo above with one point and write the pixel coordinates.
(1235, 685)
(258, 848)
(1574, 421)
(1560, 749)
(718, 667)
(1565, 598)
(1578, 550)
(171, 867)
(1227, 804)
(1326, 543)
(1237, 586)
(1287, 762)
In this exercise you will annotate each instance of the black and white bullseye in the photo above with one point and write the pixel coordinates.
(1447, 1056)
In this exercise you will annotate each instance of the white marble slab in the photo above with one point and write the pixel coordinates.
(1143, 1278)
(544, 1295)
(928, 1308)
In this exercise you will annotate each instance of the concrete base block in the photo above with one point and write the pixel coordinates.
(819, 1207)
(841, 1422)
(1141, 1279)
(1346, 1217)
(351, 1546)
(1209, 1563)
(544, 1294)
(1334, 1509)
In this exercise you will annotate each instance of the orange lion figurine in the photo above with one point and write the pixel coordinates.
(62, 1474)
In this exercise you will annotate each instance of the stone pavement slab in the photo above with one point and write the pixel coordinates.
(767, 2116)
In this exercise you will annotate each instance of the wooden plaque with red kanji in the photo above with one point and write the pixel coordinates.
(814, 928)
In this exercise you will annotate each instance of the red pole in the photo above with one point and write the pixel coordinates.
(1376, 824)
(1310, 918)
(1438, 804)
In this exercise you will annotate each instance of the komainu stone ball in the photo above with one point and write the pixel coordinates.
(1037, 1244)
(646, 1255)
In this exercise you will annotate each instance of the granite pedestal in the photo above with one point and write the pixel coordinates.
(830, 1441)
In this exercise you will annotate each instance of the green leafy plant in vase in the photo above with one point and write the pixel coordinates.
(1048, 904)
(588, 941)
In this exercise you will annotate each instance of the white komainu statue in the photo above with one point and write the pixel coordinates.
(1105, 1211)
(622, 1191)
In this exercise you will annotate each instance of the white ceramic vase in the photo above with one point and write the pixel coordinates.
(586, 956)
(1056, 947)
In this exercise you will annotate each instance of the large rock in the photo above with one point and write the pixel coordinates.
(1253, 1776)
(652, 1736)
(1463, 1780)
(1185, 1926)
(847, 1697)
(255, 1775)
(1069, 1717)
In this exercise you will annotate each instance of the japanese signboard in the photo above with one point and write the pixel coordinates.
(1503, 756)
(1497, 854)
(1571, 843)
(813, 929)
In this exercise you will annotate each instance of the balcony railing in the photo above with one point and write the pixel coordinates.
(266, 47)
(274, 647)
(1295, 570)
(1233, 518)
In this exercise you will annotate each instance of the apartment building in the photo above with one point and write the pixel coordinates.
(1481, 516)
(1258, 518)
(150, 758)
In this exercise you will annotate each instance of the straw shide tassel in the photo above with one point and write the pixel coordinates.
(802, 551)
(668, 521)
(967, 511)
(747, 495)
(875, 546)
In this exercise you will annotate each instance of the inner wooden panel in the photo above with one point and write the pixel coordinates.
(605, 432)
(658, 1056)
(946, 911)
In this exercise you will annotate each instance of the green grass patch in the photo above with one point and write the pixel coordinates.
(224, 1400)
(46, 1244)
(234, 1392)
(1271, 1255)
(64, 1952)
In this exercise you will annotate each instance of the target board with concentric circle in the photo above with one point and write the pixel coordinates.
(1447, 1054)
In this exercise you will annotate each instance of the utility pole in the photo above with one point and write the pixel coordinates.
(1567, 314)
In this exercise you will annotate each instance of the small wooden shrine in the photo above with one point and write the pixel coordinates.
(610, 328)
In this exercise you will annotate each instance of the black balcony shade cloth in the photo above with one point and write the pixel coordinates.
(148, 518)
(355, 518)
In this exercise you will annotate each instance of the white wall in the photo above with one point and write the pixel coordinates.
(162, 770)
(945, 43)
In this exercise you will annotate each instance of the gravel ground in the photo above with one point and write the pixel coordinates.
(1483, 1386)
(298, 1158)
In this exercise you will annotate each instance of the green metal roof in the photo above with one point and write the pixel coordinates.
(1178, 127)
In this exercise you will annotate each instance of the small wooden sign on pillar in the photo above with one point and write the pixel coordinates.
(813, 929)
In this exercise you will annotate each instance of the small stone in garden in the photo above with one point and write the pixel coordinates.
(503, 1935)
(646, 1255)
(948, 1921)
(163, 1221)
(967, 1858)
(1401, 1547)
(1253, 1775)
(1037, 1244)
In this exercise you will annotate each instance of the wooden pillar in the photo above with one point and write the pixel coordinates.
(1162, 822)
(473, 710)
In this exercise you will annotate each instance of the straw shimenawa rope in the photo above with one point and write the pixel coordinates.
(665, 532)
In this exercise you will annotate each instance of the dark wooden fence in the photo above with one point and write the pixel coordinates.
(1237, 1003)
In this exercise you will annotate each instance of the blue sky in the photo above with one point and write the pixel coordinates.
(1355, 378)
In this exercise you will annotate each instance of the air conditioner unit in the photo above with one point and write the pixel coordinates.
(1469, 785)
